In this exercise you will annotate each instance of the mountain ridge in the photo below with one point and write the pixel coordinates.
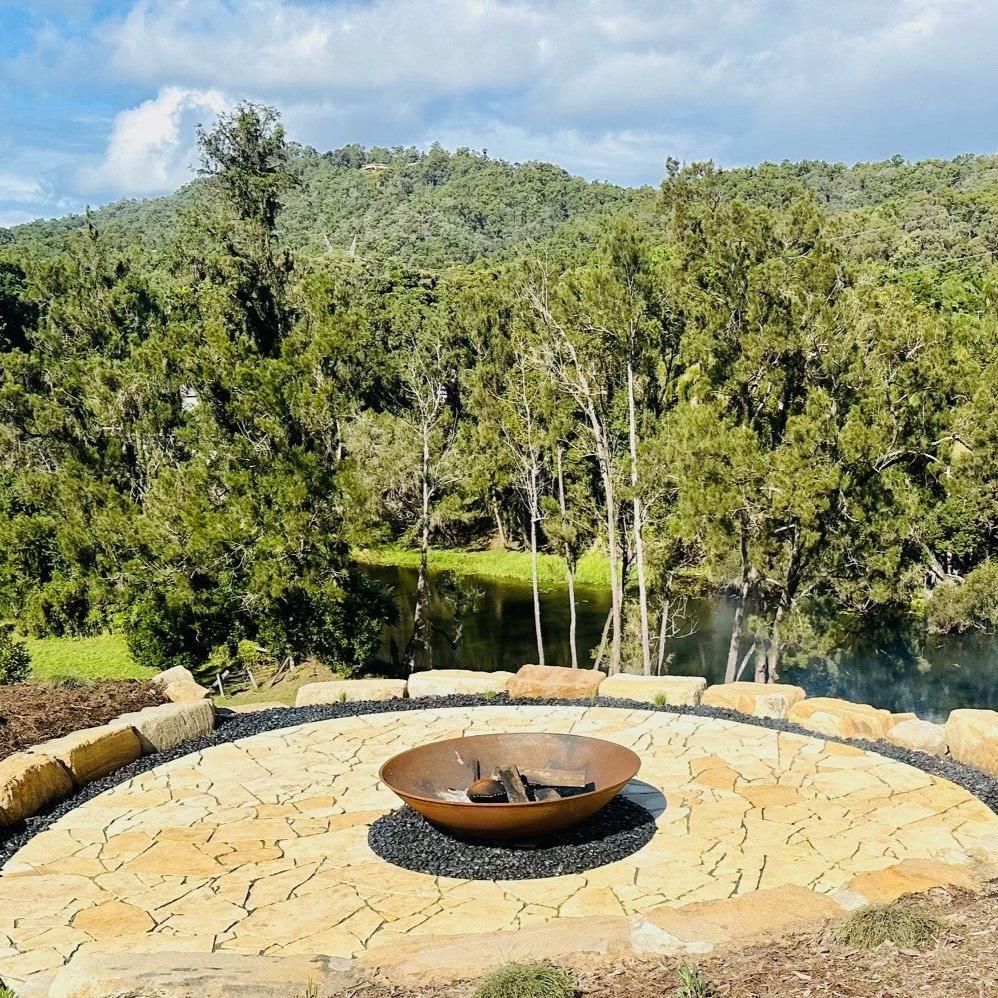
(433, 209)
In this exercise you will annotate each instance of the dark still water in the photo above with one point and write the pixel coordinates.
(499, 634)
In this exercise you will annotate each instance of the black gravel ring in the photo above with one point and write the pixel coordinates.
(232, 727)
(617, 830)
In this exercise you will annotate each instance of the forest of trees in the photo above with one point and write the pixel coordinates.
(780, 383)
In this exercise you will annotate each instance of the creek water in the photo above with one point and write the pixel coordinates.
(931, 679)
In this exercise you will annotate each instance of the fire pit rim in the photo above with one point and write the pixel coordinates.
(506, 805)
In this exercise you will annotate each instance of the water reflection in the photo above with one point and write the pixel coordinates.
(500, 635)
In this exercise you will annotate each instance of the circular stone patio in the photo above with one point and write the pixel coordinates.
(260, 847)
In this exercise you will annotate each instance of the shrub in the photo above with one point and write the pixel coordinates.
(971, 605)
(692, 984)
(339, 622)
(526, 980)
(900, 923)
(15, 661)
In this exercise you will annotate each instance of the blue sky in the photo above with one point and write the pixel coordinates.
(99, 100)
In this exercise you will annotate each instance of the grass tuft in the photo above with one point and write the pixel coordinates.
(526, 980)
(6, 992)
(900, 923)
(692, 984)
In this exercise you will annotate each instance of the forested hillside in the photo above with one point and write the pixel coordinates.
(779, 383)
(416, 209)
(433, 209)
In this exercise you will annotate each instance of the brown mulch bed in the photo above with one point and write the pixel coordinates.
(33, 712)
(962, 963)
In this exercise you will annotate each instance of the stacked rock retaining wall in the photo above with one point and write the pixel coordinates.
(33, 780)
(969, 736)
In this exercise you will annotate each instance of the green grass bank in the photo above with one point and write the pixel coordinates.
(105, 656)
(507, 566)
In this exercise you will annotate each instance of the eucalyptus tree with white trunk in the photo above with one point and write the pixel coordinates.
(426, 376)
(578, 367)
(521, 410)
(599, 327)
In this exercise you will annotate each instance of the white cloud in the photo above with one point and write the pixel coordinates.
(607, 88)
(18, 188)
(762, 74)
(441, 45)
(151, 147)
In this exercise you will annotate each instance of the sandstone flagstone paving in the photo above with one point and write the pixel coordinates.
(260, 846)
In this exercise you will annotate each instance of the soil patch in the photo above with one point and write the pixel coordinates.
(34, 712)
(280, 686)
(963, 963)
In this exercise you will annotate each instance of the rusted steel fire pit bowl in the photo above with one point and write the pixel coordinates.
(432, 779)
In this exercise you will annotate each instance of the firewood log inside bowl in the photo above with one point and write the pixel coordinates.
(426, 778)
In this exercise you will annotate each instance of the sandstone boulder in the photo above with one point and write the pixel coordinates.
(161, 728)
(350, 691)
(456, 682)
(92, 752)
(554, 682)
(182, 691)
(28, 784)
(416, 960)
(201, 975)
(677, 691)
(178, 674)
(178, 685)
(917, 734)
(755, 699)
(841, 718)
(912, 876)
(702, 926)
(972, 737)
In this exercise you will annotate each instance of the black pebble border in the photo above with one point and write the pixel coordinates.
(231, 727)
(407, 839)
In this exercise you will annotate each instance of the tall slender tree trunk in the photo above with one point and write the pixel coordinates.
(738, 629)
(616, 596)
(639, 550)
(534, 517)
(339, 440)
(775, 648)
(569, 570)
(761, 662)
(744, 662)
(419, 623)
(601, 650)
(663, 630)
(499, 525)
